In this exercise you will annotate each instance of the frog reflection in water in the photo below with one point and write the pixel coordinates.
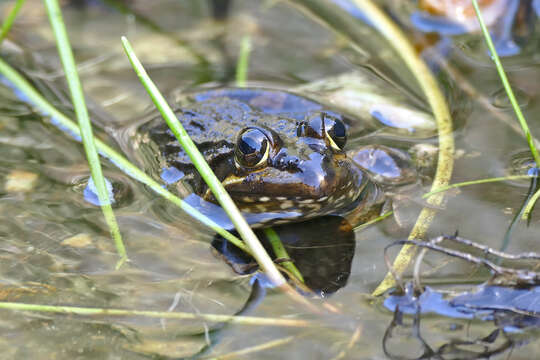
(274, 152)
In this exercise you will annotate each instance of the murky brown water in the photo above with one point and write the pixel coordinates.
(55, 247)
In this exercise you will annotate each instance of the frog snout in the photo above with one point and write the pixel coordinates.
(324, 175)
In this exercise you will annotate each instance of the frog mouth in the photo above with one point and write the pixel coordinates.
(252, 197)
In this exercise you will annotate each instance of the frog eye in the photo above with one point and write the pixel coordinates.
(335, 131)
(252, 148)
(325, 125)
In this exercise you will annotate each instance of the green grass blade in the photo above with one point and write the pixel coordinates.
(510, 93)
(63, 122)
(281, 253)
(247, 234)
(8, 23)
(475, 182)
(77, 97)
(242, 65)
(506, 84)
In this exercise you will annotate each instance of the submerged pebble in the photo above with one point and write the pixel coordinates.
(78, 241)
(20, 181)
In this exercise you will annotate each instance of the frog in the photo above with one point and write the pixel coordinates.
(274, 151)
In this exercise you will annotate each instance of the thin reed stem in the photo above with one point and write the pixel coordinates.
(245, 231)
(242, 66)
(506, 84)
(10, 19)
(77, 97)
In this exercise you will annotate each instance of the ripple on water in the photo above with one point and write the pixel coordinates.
(519, 163)
(385, 164)
(77, 177)
(500, 100)
(118, 188)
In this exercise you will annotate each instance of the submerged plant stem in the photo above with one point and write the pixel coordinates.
(436, 100)
(8, 23)
(84, 311)
(77, 97)
(281, 253)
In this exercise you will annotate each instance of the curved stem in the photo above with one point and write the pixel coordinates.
(436, 100)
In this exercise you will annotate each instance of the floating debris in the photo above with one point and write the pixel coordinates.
(481, 302)
(465, 344)
(501, 275)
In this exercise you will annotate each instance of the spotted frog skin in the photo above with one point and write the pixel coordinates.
(273, 151)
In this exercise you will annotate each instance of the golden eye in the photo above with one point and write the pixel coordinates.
(324, 125)
(252, 148)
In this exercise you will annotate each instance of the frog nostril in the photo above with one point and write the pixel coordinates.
(292, 163)
(289, 163)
